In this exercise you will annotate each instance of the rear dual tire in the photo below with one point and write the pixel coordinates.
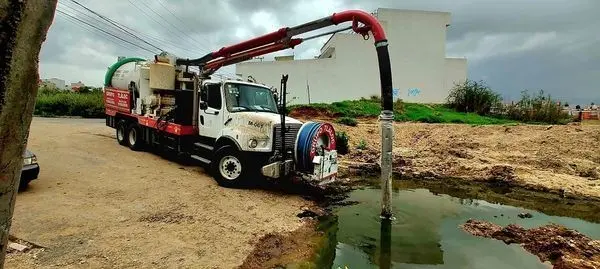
(134, 137)
(129, 136)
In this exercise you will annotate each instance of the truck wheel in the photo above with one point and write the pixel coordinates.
(229, 168)
(121, 133)
(23, 184)
(134, 137)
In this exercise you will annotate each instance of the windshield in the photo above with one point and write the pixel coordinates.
(243, 97)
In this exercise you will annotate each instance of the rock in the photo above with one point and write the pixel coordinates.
(502, 173)
(18, 247)
(525, 215)
(460, 153)
(549, 127)
(307, 214)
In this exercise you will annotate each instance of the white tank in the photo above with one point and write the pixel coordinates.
(125, 74)
(137, 72)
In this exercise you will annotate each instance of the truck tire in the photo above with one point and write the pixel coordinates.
(134, 137)
(229, 167)
(23, 184)
(121, 132)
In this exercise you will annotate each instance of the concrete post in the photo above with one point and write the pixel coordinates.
(387, 137)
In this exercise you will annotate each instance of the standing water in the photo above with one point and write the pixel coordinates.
(426, 232)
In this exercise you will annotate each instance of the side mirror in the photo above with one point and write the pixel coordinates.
(203, 105)
(204, 93)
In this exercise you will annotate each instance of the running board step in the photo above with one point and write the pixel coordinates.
(204, 146)
(200, 159)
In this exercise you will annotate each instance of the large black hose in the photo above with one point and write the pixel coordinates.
(385, 75)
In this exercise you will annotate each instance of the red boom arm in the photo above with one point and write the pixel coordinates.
(284, 39)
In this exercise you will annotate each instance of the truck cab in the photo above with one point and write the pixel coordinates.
(241, 119)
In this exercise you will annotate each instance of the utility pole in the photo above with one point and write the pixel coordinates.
(308, 91)
(24, 25)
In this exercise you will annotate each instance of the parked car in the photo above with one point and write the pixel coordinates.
(30, 170)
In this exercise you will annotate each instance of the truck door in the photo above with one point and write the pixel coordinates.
(211, 118)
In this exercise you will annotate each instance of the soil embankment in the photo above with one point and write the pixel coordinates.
(561, 159)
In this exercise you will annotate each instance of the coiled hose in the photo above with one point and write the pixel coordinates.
(306, 144)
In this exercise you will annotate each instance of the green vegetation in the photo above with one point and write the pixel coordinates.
(371, 108)
(362, 144)
(473, 96)
(51, 103)
(536, 108)
(444, 114)
(477, 97)
(341, 142)
(347, 121)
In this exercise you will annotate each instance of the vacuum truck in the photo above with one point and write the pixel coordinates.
(236, 128)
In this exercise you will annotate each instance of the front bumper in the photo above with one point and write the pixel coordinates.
(324, 167)
(30, 172)
(278, 169)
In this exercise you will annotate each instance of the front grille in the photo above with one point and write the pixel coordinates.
(291, 130)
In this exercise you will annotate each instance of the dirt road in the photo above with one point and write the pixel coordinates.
(100, 205)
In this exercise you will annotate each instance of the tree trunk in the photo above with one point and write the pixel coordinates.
(23, 28)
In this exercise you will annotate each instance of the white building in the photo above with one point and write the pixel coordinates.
(347, 66)
(55, 82)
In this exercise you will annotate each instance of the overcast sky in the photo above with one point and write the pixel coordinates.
(512, 45)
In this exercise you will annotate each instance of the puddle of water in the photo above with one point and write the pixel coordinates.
(426, 233)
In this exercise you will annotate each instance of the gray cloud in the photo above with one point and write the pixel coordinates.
(511, 44)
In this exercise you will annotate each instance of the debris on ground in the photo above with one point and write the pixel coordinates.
(525, 215)
(563, 247)
(167, 217)
(311, 213)
(17, 246)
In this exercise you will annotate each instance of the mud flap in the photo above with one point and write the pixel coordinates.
(325, 167)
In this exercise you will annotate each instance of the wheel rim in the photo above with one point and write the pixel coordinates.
(120, 134)
(132, 137)
(230, 167)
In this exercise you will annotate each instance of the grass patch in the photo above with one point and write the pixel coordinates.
(370, 108)
(444, 114)
(347, 121)
(52, 104)
(342, 142)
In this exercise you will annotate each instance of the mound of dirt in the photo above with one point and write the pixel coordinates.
(561, 159)
(306, 112)
(276, 250)
(564, 248)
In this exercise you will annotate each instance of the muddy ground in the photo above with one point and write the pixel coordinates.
(100, 205)
(562, 159)
(564, 248)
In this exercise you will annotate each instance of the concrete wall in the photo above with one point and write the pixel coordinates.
(417, 50)
(456, 72)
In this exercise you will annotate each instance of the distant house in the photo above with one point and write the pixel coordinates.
(76, 86)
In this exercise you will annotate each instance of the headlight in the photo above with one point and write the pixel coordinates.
(252, 143)
(30, 160)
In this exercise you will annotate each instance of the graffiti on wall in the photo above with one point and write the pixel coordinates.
(412, 92)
